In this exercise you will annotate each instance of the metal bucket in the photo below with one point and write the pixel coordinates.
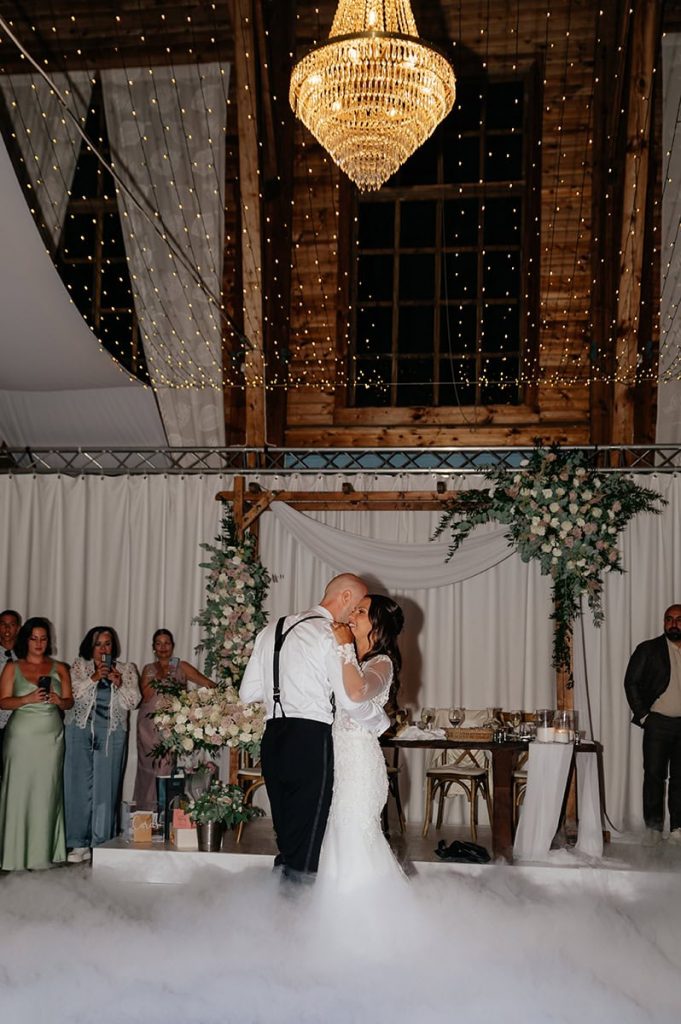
(209, 836)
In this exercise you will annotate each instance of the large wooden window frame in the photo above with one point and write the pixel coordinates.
(347, 414)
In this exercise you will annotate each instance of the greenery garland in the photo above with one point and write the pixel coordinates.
(236, 588)
(562, 512)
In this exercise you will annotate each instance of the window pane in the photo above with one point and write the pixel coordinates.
(501, 275)
(374, 329)
(417, 225)
(112, 240)
(460, 223)
(498, 381)
(85, 179)
(504, 158)
(459, 275)
(78, 278)
(505, 105)
(115, 330)
(417, 277)
(375, 277)
(376, 225)
(500, 329)
(80, 232)
(415, 329)
(116, 290)
(466, 114)
(457, 330)
(415, 382)
(420, 168)
(461, 159)
(503, 221)
(372, 378)
(457, 382)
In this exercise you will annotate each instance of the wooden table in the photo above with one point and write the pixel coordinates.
(504, 758)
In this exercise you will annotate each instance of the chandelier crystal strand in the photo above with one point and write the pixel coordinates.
(374, 93)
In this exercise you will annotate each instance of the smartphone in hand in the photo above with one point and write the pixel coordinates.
(45, 683)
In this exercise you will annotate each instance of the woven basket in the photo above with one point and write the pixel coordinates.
(482, 734)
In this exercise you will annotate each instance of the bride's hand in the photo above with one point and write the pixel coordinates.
(342, 633)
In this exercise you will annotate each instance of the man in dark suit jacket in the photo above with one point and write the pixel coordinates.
(653, 687)
(10, 623)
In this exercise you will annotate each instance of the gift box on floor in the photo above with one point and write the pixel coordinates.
(140, 826)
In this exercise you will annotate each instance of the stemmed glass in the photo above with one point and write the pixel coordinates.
(456, 716)
(515, 718)
(427, 717)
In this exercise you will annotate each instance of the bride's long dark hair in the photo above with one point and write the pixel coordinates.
(387, 620)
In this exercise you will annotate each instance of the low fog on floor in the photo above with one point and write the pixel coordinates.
(76, 947)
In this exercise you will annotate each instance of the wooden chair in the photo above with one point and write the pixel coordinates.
(464, 769)
(249, 777)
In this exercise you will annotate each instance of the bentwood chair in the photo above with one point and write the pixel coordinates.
(453, 773)
(249, 777)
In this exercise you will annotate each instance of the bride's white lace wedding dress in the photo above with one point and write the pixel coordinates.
(355, 852)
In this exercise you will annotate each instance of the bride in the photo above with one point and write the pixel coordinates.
(355, 852)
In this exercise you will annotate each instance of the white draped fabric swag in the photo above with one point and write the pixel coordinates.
(47, 137)
(167, 131)
(126, 550)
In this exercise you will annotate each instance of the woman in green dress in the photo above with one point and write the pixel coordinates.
(35, 689)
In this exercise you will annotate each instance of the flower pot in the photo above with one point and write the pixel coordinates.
(209, 836)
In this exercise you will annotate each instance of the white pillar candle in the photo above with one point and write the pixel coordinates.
(561, 736)
(545, 733)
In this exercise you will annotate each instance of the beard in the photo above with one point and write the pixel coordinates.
(674, 635)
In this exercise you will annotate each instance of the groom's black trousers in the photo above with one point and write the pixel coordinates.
(297, 765)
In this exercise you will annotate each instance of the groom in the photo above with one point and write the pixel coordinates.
(295, 669)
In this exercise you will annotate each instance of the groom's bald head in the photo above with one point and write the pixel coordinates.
(342, 594)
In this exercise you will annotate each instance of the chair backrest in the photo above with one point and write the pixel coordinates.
(475, 718)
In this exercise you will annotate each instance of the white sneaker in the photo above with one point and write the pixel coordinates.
(652, 837)
(78, 854)
(675, 836)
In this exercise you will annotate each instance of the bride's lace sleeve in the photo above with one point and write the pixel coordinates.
(364, 682)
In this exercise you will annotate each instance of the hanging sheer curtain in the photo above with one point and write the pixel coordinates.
(47, 137)
(126, 550)
(167, 132)
(669, 388)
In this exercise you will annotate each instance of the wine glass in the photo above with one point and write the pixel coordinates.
(456, 716)
(401, 717)
(427, 717)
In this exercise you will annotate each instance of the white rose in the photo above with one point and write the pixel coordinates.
(572, 509)
(554, 507)
(597, 513)
(187, 743)
(547, 493)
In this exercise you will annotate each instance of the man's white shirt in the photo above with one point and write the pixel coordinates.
(310, 671)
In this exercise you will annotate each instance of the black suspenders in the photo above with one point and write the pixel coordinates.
(279, 636)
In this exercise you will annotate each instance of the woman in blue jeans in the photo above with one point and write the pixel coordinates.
(105, 690)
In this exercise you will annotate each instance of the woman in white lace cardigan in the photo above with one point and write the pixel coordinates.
(105, 690)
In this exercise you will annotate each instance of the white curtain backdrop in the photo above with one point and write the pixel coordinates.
(48, 139)
(669, 389)
(167, 132)
(126, 550)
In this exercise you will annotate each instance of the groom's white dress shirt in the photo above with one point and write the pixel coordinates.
(310, 671)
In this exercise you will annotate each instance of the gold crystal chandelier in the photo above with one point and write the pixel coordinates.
(374, 93)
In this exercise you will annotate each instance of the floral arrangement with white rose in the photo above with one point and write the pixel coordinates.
(207, 720)
(236, 588)
(566, 515)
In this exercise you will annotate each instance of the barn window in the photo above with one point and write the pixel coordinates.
(439, 279)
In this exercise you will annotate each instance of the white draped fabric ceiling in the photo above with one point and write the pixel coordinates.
(126, 550)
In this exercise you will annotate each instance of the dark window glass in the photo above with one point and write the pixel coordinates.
(460, 223)
(503, 221)
(374, 329)
(504, 158)
(415, 329)
(415, 382)
(440, 308)
(417, 225)
(377, 226)
(375, 278)
(80, 235)
(417, 277)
